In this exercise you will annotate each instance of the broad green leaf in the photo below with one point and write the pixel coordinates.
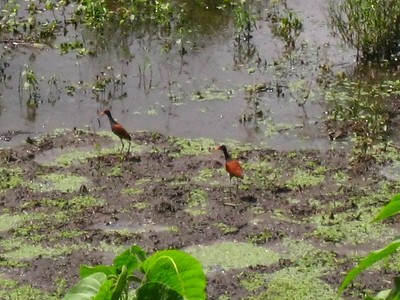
(395, 292)
(120, 285)
(392, 208)
(85, 271)
(87, 288)
(131, 259)
(178, 271)
(154, 290)
(105, 292)
(372, 258)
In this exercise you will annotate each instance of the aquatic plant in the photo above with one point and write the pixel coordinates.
(286, 25)
(244, 20)
(363, 109)
(370, 26)
(167, 274)
(391, 209)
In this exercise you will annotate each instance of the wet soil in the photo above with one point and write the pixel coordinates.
(154, 188)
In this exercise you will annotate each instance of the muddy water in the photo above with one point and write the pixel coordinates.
(215, 67)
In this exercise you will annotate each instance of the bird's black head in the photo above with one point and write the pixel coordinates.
(106, 112)
(222, 148)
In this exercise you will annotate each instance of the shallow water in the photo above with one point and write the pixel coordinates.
(217, 69)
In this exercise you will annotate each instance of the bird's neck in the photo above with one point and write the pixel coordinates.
(227, 156)
(112, 121)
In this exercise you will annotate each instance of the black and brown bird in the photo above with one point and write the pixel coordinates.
(232, 166)
(118, 130)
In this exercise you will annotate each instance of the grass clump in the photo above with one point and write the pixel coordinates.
(370, 26)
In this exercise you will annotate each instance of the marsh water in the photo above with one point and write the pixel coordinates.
(203, 93)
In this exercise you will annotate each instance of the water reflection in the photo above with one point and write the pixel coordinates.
(150, 76)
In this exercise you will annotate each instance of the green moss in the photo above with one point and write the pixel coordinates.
(143, 181)
(116, 171)
(225, 229)
(197, 202)
(290, 283)
(199, 146)
(132, 191)
(9, 221)
(254, 281)
(140, 205)
(60, 182)
(68, 157)
(115, 249)
(21, 249)
(10, 178)
(303, 179)
(341, 177)
(350, 227)
(228, 255)
(212, 93)
(205, 175)
(304, 254)
(25, 292)
(6, 283)
(259, 237)
(74, 205)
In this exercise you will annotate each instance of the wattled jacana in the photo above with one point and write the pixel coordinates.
(232, 166)
(118, 130)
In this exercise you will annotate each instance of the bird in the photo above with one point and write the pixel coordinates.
(232, 166)
(118, 130)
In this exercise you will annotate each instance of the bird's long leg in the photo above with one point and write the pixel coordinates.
(230, 186)
(129, 147)
(122, 145)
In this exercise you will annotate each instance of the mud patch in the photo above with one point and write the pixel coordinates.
(297, 214)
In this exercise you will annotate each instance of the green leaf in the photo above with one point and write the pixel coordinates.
(178, 271)
(85, 271)
(392, 208)
(372, 258)
(131, 259)
(87, 288)
(121, 284)
(154, 290)
(105, 292)
(395, 292)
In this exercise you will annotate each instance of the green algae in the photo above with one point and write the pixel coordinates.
(132, 191)
(22, 249)
(12, 289)
(258, 238)
(58, 181)
(287, 284)
(9, 221)
(232, 255)
(197, 202)
(212, 93)
(206, 175)
(225, 229)
(75, 204)
(350, 227)
(307, 256)
(140, 205)
(200, 146)
(303, 179)
(10, 178)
